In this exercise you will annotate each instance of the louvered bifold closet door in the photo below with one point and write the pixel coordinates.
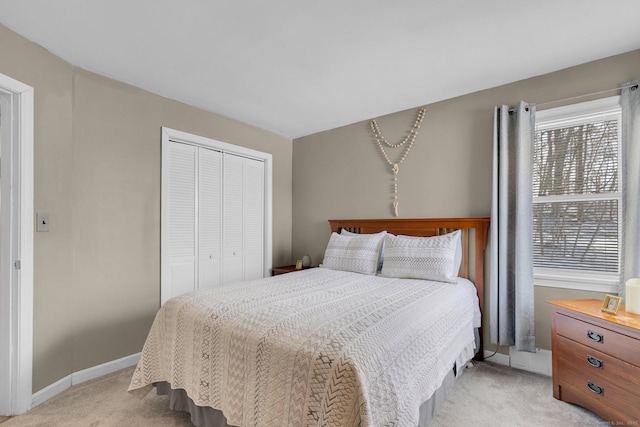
(253, 219)
(179, 213)
(232, 269)
(212, 229)
(243, 218)
(209, 218)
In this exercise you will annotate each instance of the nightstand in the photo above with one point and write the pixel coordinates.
(285, 269)
(596, 359)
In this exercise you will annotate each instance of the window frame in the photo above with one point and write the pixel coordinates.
(573, 114)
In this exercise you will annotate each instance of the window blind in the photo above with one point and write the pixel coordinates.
(576, 195)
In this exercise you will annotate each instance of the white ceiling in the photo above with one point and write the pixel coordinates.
(296, 67)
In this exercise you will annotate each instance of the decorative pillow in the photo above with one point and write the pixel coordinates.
(457, 261)
(431, 258)
(344, 232)
(358, 253)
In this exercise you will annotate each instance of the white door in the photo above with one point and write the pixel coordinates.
(213, 218)
(178, 239)
(233, 222)
(209, 218)
(253, 219)
(243, 221)
(16, 262)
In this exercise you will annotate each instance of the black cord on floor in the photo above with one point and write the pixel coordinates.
(494, 353)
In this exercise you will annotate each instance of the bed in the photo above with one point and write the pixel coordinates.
(358, 342)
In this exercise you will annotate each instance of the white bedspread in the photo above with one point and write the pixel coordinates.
(311, 348)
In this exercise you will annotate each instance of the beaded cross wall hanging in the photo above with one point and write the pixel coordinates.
(407, 143)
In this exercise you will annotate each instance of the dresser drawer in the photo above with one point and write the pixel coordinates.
(598, 365)
(600, 395)
(609, 342)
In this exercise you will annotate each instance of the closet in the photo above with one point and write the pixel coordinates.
(212, 216)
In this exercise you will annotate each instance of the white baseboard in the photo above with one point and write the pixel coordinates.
(538, 362)
(50, 391)
(104, 369)
(82, 376)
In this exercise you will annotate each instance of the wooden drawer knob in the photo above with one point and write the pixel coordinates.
(596, 363)
(595, 388)
(594, 336)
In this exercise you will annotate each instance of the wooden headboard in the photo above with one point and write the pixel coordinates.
(475, 229)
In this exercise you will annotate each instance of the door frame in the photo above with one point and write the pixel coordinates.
(16, 284)
(171, 135)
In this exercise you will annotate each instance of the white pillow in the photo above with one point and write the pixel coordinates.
(431, 258)
(344, 232)
(358, 253)
(457, 261)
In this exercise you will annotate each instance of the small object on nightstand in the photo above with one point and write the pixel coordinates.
(611, 304)
(299, 264)
(632, 296)
(306, 261)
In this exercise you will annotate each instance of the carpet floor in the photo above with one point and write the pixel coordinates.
(485, 395)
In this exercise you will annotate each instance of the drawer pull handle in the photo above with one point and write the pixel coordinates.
(594, 336)
(595, 388)
(596, 363)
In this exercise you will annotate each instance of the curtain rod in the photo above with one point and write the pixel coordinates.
(632, 86)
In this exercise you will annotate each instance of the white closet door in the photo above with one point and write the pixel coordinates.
(233, 229)
(213, 218)
(253, 219)
(209, 218)
(179, 214)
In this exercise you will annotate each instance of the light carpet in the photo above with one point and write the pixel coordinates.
(485, 395)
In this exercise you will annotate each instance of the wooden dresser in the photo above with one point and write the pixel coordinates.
(596, 359)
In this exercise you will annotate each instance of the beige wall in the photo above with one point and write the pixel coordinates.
(97, 173)
(341, 174)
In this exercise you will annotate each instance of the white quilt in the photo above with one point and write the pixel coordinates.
(312, 348)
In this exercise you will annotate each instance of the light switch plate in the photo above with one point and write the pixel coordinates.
(42, 221)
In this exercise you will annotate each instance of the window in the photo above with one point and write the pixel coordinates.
(577, 196)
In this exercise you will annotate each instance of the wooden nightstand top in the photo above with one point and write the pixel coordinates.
(285, 269)
(592, 307)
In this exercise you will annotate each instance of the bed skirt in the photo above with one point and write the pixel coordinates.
(209, 417)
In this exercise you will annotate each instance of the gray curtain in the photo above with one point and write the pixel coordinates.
(630, 102)
(511, 316)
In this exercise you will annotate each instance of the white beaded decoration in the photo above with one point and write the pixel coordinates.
(407, 142)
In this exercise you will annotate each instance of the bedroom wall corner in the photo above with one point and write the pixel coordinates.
(97, 174)
(340, 173)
